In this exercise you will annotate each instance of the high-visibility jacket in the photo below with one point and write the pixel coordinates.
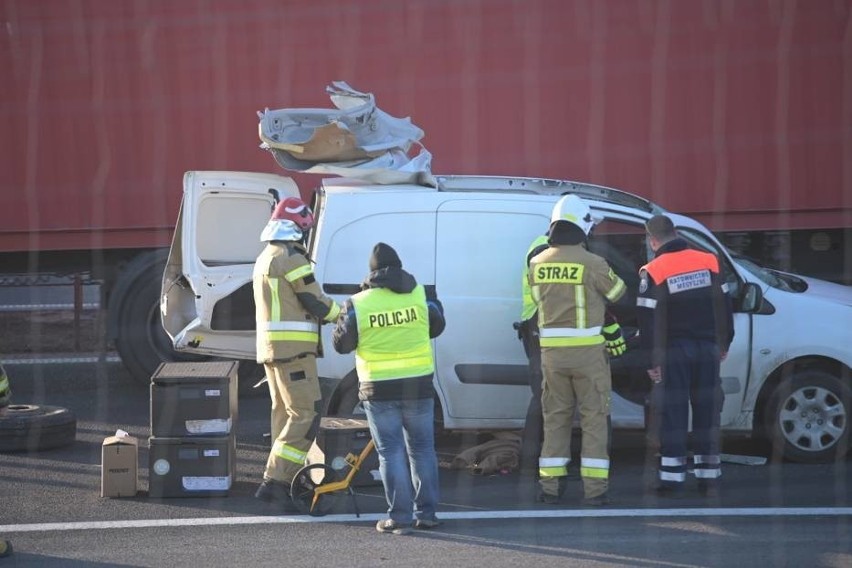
(393, 335)
(681, 295)
(289, 303)
(571, 287)
(529, 307)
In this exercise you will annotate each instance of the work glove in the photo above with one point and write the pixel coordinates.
(615, 344)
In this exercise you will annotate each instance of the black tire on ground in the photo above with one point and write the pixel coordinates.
(808, 417)
(135, 304)
(31, 428)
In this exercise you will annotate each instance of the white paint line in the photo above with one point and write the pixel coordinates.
(466, 515)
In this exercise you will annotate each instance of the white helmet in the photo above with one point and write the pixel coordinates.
(574, 210)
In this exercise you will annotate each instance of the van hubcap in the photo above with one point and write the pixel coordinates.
(812, 418)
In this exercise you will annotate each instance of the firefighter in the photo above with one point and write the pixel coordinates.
(389, 325)
(528, 334)
(571, 288)
(289, 309)
(686, 326)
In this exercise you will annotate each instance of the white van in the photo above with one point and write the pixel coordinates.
(787, 374)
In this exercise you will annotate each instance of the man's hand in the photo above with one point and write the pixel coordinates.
(655, 374)
(723, 355)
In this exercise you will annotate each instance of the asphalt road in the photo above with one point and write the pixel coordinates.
(778, 514)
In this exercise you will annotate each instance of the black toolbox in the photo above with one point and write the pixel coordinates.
(194, 399)
(191, 466)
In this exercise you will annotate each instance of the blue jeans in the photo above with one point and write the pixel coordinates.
(403, 431)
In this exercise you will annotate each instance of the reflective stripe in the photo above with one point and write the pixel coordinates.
(292, 336)
(708, 473)
(580, 298)
(672, 462)
(710, 459)
(646, 303)
(333, 313)
(616, 290)
(595, 462)
(725, 288)
(571, 341)
(275, 301)
(552, 471)
(569, 331)
(289, 453)
(551, 462)
(399, 364)
(289, 326)
(594, 472)
(297, 273)
(670, 476)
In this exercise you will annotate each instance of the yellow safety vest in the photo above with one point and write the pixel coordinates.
(393, 335)
(529, 306)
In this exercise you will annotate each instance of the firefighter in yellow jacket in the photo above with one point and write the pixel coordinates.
(289, 310)
(571, 287)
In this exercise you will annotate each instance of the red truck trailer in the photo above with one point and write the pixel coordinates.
(736, 113)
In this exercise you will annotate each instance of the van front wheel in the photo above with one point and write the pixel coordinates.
(808, 418)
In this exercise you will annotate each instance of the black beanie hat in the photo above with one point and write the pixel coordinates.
(384, 256)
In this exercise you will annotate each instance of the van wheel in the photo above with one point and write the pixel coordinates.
(30, 428)
(808, 417)
(344, 400)
(135, 304)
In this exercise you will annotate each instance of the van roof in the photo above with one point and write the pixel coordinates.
(508, 185)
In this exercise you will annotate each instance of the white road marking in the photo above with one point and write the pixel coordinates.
(466, 515)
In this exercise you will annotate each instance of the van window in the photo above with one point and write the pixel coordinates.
(701, 242)
(623, 246)
(228, 228)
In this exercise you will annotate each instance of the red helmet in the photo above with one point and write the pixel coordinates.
(295, 210)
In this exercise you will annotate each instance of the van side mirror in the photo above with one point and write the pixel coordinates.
(752, 298)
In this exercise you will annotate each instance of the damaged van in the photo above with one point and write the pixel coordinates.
(787, 374)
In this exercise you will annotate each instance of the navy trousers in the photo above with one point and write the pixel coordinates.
(690, 378)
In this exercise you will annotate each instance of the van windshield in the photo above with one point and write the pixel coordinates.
(774, 278)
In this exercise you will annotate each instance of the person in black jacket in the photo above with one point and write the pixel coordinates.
(389, 325)
(686, 325)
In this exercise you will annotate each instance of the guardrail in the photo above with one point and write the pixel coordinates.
(76, 281)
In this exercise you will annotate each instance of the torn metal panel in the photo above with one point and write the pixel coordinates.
(357, 140)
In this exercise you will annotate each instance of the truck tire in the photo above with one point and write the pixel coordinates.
(135, 315)
(30, 428)
(808, 417)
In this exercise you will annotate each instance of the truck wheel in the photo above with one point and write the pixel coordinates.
(30, 428)
(135, 313)
(808, 417)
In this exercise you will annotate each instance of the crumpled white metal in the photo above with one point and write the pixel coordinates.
(357, 140)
